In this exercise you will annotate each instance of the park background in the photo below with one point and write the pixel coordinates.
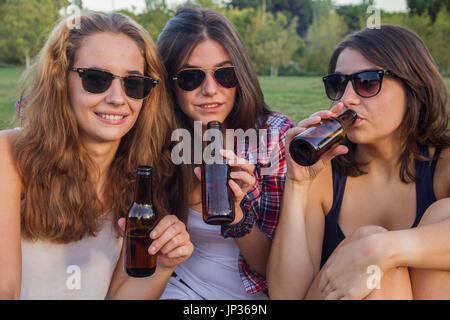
(289, 41)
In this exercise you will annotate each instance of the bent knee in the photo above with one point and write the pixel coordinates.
(437, 212)
(366, 231)
(395, 284)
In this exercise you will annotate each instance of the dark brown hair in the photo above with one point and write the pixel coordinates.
(60, 200)
(192, 25)
(402, 52)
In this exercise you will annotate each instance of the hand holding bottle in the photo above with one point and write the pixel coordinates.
(242, 178)
(298, 173)
(171, 242)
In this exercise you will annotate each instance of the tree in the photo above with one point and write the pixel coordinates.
(302, 9)
(155, 17)
(78, 3)
(241, 19)
(214, 4)
(272, 40)
(435, 35)
(432, 7)
(354, 15)
(322, 36)
(26, 25)
(439, 44)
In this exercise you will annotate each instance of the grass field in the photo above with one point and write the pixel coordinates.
(9, 93)
(297, 97)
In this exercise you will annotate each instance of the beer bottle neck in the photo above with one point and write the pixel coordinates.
(347, 118)
(144, 191)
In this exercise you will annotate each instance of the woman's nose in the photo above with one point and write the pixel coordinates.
(350, 97)
(116, 94)
(209, 85)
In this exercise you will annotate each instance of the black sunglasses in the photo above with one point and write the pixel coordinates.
(191, 78)
(366, 83)
(97, 81)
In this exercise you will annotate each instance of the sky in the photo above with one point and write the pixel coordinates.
(107, 5)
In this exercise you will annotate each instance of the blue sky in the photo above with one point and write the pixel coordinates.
(106, 5)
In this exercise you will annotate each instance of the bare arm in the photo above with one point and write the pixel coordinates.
(424, 247)
(10, 192)
(255, 247)
(290, 269)
(296, 250)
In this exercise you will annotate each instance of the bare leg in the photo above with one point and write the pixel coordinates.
(395, 283)
(432, 284)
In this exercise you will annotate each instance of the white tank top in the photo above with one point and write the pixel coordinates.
(78, 270)
(212, 270)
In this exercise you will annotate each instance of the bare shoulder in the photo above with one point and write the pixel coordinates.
(7, 162)
(442, 175)
(7, 137)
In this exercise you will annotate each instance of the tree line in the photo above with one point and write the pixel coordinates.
(283, 37)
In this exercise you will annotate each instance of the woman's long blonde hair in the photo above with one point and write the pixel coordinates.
(60, 200)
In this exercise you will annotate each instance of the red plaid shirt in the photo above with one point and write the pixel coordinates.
(261, 204)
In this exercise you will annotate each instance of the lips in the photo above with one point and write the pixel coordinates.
(210, 106)
(357, 121)
(111, 117)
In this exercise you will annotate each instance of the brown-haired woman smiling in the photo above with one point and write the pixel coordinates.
(383, 203)
(212, 79)
(97, 109)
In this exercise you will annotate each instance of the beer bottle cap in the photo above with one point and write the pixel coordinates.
(144, 170)
(213, 124)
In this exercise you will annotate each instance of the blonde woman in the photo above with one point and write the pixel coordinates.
(96, 109)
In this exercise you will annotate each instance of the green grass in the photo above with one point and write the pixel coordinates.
(296, 97)
(9, 93)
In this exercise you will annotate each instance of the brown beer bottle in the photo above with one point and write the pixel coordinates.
(307, 147)
(139, 223)
(217, 197)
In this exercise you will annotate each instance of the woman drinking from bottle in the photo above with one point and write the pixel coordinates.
(371, 219)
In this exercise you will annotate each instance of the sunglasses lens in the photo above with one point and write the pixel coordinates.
(95, 81)
(335, 86)
(137, 87)
(190, 79)
(226, 77)
(367, 83)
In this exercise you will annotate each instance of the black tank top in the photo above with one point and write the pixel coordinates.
(333, 234)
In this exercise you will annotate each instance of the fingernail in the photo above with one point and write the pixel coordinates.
(152, 234)
(152, 250)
